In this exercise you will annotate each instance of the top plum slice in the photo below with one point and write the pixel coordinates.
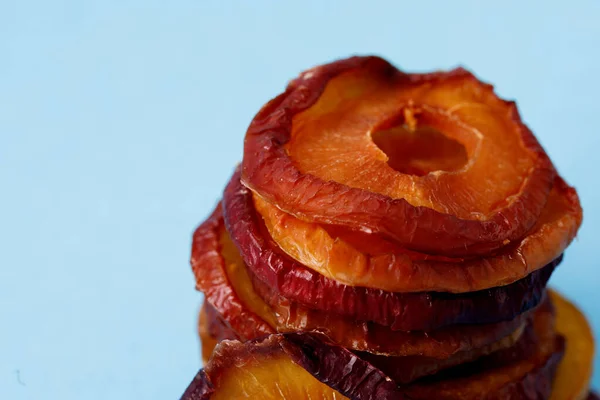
(477, 180)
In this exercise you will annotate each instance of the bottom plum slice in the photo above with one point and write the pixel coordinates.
(256, 370)
(305, 366)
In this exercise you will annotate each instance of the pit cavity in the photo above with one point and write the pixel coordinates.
(414, 147)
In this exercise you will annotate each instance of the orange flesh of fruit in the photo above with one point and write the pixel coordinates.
(207, 342)
(272, 378)
(333, 140)
(575, 370)
(237, 275)
(266, 375)
(357, 259)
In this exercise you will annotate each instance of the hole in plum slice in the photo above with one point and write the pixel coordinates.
(418, 149)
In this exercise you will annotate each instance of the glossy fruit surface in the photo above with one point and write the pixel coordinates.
(369, 260)
(401, 311)
(575, 370)
(312, 152)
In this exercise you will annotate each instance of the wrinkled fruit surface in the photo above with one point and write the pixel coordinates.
(279, 314)
(361, 259)
(209, 269)
(207, 341)
(400, 311)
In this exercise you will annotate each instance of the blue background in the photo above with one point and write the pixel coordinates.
(120, 122)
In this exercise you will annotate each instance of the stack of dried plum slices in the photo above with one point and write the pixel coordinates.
(389, 236)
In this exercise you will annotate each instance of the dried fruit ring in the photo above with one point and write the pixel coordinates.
(437, 162)
(359, 259)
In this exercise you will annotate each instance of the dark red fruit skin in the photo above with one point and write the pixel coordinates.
(340, 369)
(218, 328)
(325, 363)
(440, 344)
(425, 311)
(268, 170)
(211, 278)
(593, 396)
(405, 370)
(200, 388)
